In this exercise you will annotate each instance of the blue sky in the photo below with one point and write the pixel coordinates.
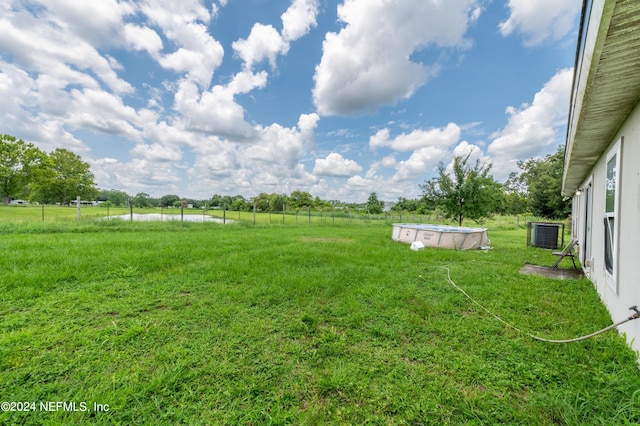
(337, 98)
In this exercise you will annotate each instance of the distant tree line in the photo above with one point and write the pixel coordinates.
(466, 191)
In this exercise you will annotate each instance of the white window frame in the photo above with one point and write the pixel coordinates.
(585, 228)
(612, 277)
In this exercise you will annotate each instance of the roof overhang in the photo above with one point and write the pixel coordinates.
(606, 84)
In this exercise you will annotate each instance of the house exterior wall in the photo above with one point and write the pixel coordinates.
(589, 214)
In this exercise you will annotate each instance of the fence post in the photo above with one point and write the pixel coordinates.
(254, 213)
(182, 212)
(78, 206)
(131, 209)
(42, 212)
(224, 213)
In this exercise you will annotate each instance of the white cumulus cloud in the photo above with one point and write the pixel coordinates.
(142, 38)
(421, 163)
(43, 48)
(368, 63)
(198, 54)
(213, 112)
(540, 20)
(533, 126)
(95, 21)
(157, 153)
(299, 18)
(336, 165)
(264, 42)
(307, 123)
(417, 139)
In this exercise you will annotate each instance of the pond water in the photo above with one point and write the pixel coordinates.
(150, 217)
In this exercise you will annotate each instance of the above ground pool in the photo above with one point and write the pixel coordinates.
(442, 236)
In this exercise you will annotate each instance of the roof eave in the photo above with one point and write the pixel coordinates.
(606, 87)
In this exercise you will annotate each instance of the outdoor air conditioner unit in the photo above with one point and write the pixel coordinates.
(545, 235)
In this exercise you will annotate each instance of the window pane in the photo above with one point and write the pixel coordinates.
(608, 243)
(611, 185)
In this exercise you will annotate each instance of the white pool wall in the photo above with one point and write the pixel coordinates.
(441, 236)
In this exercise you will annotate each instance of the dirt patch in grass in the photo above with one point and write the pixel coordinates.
(325, 240)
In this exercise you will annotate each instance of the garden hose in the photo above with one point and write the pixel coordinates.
(636, 315)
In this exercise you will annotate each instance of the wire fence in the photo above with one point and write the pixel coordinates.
(84, 213)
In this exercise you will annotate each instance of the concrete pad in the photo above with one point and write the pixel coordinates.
(547, 271)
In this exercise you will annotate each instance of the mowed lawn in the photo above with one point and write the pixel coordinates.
(293, 324)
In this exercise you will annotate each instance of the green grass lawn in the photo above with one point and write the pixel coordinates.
(170, 323)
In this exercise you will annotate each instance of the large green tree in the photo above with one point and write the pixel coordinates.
(374, 205)
(299, 199)
(115, 197)
(240, 204)
(141, 200)
(469, 192)
(277, 202)
(543, 180)
(261, 201)
(19, 163)
(404, 204)
(515, 195)
(65, 178)
(168, 200)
